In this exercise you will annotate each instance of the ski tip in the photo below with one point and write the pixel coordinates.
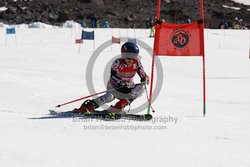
(52, 112)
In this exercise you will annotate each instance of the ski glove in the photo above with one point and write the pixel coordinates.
(145, 80)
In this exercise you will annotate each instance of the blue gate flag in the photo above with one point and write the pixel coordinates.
(88, 35)
(10, 30)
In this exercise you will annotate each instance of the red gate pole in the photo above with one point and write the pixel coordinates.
(153, 58)
(203, 56)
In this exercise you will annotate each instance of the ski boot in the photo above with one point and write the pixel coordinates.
(119, 107)
(87, 107)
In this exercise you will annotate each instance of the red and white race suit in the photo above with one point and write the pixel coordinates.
(121, 72)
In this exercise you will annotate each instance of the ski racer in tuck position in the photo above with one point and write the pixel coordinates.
(120, 84)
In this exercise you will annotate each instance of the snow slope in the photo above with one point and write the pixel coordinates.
(246, 2)
(43, 69)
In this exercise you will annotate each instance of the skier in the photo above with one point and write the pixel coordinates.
(121, 85)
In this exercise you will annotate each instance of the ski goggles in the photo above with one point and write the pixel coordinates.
(129, 56)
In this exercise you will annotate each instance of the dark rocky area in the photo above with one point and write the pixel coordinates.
(120, 13)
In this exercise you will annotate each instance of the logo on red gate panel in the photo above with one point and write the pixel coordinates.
(180, 38)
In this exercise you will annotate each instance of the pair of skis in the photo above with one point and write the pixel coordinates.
(105, 115)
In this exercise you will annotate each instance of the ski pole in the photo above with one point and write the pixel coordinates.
(83, 98)
(150, 105)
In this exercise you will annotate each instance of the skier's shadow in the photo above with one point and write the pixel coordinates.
(69, 116)
(59, 116)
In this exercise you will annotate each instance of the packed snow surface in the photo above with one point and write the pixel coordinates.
(43, 67)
